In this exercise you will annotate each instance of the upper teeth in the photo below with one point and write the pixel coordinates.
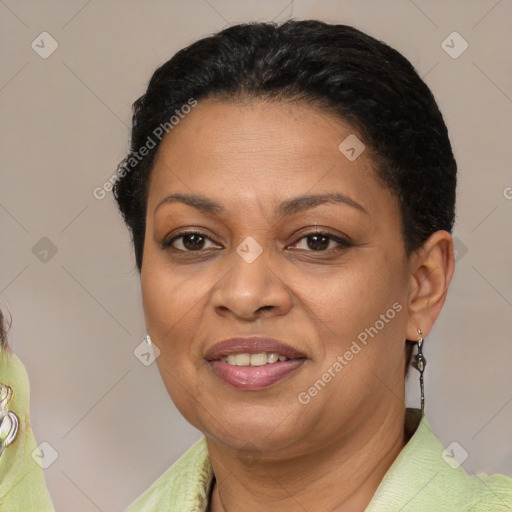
(253, 359)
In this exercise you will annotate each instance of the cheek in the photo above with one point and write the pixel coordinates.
(365, 304)
(153, 291)
(362, 319)
(168, 314)
(164, 294)
(172, 309)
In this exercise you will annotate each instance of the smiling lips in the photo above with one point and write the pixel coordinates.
(253, 363)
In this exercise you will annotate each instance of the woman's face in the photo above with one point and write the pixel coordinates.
(257, 268)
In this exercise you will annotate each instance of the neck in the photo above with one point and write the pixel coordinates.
(341, 477)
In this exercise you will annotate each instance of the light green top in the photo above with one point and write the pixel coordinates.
(421, 479)
(22, 484)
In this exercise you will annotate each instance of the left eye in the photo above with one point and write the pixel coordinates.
(319, 242)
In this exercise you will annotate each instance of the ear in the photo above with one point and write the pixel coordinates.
(432, 267)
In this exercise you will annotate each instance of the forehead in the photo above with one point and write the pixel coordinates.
(236, 129)
(233, 149)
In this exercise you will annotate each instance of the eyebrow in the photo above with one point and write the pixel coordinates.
(286, 208)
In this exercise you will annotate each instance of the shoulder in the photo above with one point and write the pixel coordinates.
(458, 489)
(492, 493)
(184, 486)
(427, 476)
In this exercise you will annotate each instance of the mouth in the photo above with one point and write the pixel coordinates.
(259, 359)
(253, 363)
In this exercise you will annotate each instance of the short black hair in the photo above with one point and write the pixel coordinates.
(355, 76)
(365, 81)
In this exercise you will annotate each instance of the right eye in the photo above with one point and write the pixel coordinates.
(191, 241)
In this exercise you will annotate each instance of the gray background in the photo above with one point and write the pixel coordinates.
(77, 314)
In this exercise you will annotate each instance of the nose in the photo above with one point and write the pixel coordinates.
(251, 289)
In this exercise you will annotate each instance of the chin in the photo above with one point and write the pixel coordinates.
(254, 427)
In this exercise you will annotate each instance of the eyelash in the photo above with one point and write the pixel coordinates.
(342, 242)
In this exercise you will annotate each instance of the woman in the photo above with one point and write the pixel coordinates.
(290, 192)
(22, 483)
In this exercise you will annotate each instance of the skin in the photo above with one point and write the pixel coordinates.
(269, 451)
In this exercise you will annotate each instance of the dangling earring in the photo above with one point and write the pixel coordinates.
(419, 363)
(147, 339)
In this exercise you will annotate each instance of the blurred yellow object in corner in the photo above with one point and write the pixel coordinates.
(22, 483)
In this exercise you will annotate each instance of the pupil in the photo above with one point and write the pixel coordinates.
(194, 245)
(322, 245)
